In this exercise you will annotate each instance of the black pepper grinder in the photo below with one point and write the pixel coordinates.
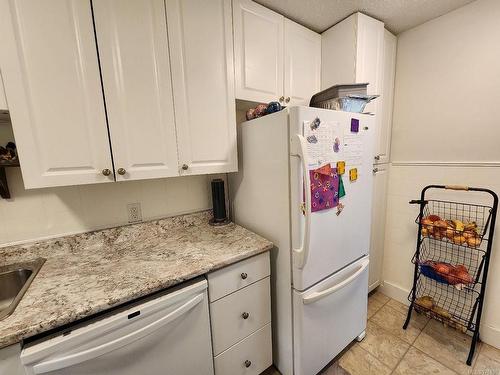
(219, 203)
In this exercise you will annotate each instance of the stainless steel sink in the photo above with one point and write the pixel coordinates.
(15, 279)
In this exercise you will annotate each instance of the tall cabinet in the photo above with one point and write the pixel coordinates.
(360, 50)
(381, 167)
(276, 59)
(111, 90)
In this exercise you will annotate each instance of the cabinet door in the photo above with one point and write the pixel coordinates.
(3, 100)
(201, 48)
(369, 62)
(370, 54)
(383, 144)
(302, 64)
(134, 57)
(380, 179)
(51, 74)
(258, 43)
(338, 53)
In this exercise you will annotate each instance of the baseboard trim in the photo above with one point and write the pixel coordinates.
(488, 334)
(394, 291)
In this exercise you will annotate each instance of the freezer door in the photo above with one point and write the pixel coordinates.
(324, 241)
(328, 316)
(168, 335)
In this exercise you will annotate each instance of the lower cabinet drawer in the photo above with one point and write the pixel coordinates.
(237, 315)
(237, 276)
(250, 356)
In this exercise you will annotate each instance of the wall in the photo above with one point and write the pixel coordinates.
(40, 213)
(448, 88)
(445, 131)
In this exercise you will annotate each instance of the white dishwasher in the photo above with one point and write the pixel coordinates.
(167, 335)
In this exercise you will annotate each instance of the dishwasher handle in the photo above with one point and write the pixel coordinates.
(86, 355)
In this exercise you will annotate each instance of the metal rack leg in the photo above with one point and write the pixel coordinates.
(422, 204)
(473, 344)
(408, 317)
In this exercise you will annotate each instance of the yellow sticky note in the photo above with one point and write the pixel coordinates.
(353, 174)
(341, 167)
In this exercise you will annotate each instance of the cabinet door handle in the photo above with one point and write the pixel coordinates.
(121, 171)
(282, 99)
(106, 172)
(244, 275)
(375, 170)
(377, 157)
(248, 363)
(185, 167)
(287, 100)
(245, 315)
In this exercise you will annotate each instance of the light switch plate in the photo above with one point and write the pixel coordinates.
(134, 212)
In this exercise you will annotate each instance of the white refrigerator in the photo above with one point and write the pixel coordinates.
(320, 261)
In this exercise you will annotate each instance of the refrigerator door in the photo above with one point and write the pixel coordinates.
(167, 335)
(329, 316)
(324, 241)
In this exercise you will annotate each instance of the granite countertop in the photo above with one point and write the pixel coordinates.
(91, 272)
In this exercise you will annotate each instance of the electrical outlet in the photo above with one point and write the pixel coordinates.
(134, 212)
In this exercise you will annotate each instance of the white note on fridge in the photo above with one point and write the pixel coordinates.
(353, 149)
(320, 142)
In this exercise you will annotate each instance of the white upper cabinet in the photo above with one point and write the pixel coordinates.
(201, 49)
(356, 50)
(338, 53)
(3, 100)
(370, 59)
(162, 72)
(302, 63)
(383, 147)
(51, 77)
(134, 56)
(258, 41)
(275, 59)
(352, 52)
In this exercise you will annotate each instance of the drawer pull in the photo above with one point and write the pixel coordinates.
(244, 275)
(245, 315)
(248, 363)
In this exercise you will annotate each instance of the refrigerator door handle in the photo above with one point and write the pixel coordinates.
(315, 296)
(299, 148)
(89, 354)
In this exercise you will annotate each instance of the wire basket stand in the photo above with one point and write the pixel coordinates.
(451, 260)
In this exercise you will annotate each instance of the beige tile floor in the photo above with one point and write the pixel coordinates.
(426, 347)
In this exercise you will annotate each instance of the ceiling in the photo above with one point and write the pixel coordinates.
(398, 15)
